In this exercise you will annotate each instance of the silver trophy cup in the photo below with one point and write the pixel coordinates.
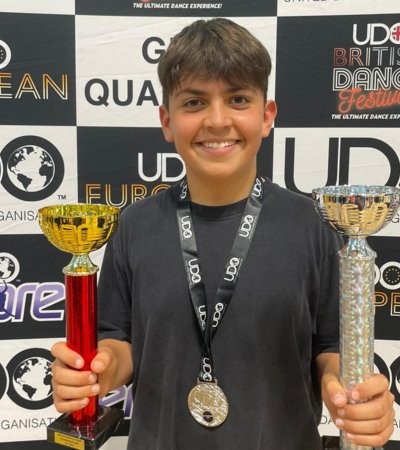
(357, 212)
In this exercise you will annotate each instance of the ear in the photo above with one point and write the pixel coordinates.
(270, 111)
(165, 120)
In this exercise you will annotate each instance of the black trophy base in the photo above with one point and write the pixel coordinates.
(332, 443)
(85, 438)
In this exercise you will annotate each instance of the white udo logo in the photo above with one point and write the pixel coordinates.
(194, 271)
(257, 189)
(186, 227)
(206, 369)
(202, 315)
(232, 269)
(219, 307)
(184, 191)
(247, 225)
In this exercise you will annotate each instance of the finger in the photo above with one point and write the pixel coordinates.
(365, 427)
(334, 389)
(65, 393)
(67, 406)
(375, 440)
(102, 360)
(71, 377)
(66, 356)
(372, 387)
(372, 409)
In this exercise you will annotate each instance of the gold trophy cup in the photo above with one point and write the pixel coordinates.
(80, 229)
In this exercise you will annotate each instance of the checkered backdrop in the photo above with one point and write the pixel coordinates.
(79, 103)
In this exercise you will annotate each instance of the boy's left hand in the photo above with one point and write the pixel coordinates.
(368, 423)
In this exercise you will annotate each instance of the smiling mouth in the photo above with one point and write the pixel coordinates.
(218, 145)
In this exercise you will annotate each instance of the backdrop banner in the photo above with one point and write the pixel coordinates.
(79, 99)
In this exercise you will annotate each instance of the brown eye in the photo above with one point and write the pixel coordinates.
(239, 100)
(193, 102)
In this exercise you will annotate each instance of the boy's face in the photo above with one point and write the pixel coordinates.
(217, 128)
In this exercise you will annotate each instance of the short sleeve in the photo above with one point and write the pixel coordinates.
(114, 294)
(327, 321)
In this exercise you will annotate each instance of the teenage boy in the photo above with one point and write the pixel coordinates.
(222, 361)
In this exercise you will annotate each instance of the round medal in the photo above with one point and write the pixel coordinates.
(207, 404)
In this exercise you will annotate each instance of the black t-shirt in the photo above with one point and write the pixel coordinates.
(283, 313)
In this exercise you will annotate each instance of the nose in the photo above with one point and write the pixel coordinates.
(218, 116)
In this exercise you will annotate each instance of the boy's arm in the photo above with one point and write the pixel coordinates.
(368, 423)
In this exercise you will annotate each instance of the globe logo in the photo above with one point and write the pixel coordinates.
(30, 168)
(33, 168)
(29, 378)
(9, 267)
(32, 379)
(3, 381)
(395, 385)
(5, 54)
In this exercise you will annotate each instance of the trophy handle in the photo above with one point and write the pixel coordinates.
(81, 326)
(357, 311)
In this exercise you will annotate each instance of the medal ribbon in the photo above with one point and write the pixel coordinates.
(226, 288)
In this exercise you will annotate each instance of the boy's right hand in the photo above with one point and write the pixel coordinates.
(72, 388)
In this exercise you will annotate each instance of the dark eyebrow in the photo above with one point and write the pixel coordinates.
(189, 91)
(230, 90)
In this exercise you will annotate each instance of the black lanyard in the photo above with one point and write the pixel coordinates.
(227, 285)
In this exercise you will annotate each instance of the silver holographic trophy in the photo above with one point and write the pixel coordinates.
(357, 212)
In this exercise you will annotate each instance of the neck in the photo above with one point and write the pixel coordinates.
(220, 191)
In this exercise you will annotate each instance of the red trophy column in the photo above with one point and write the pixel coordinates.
(81, 326)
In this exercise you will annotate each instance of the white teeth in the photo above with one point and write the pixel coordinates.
(218, 144)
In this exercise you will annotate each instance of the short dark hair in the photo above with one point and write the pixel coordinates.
(215, 49)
